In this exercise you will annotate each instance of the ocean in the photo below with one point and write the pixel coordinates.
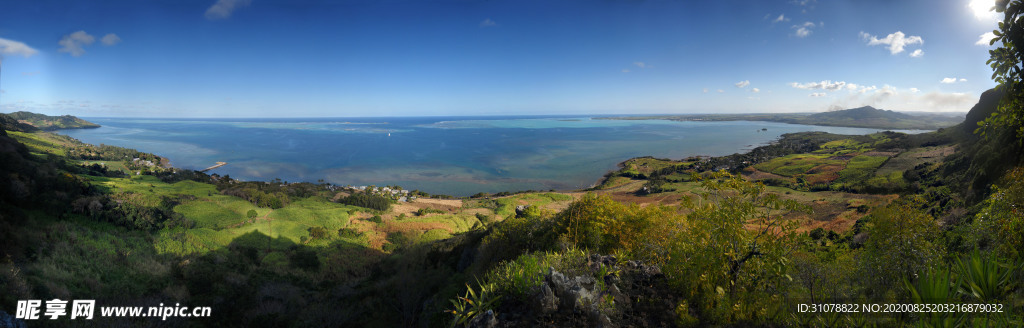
(456, 156)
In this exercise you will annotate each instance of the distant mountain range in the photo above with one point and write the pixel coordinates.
(861, 117)
(870, 117)
(27, 122)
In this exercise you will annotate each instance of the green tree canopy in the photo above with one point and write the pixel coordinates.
(1007, 70)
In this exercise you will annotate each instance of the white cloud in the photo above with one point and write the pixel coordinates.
(781, 18)
(864, 90)
(956, 100)
(984, 39)
(755, 90)
(802, 31)
(110, 39)
(917, 53)
(721, 91)
(949, 80)
(705, 90)
(742, 84)
(824, 85)
(224, 8)
(488, 23)
(625, 70)
(11, 47)
(74, 43)
(910, 99)
(818, 94)
(895, 42)
(963, 80)
(640, 64)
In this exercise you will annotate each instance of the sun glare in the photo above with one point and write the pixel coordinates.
(982, 10)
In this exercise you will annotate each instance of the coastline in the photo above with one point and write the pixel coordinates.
(475, 156)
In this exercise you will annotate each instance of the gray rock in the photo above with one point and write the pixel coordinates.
(599, 320)
(578, 293)
(558, 281)
(484, 320)
(546, 300)
(521, 210)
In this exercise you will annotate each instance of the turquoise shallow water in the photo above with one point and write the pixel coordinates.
(447, 155)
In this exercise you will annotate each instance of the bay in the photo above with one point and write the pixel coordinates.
(457, 156)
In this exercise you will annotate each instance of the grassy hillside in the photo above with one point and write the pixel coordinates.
(8, 123)
(47, 123)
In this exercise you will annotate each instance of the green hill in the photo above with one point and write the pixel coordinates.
(8, 123)
(48, 123)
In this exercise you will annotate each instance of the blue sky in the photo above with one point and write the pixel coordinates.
(344, 58)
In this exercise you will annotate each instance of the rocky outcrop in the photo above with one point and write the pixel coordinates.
(521, 210)
(607, 293)
(987, 104)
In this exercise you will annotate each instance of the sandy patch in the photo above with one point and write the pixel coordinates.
(339, 195)
(441, 202)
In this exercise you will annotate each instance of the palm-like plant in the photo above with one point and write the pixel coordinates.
(472, 304)
(984, 278)
(937, 287)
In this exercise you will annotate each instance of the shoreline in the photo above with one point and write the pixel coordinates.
(451, 184)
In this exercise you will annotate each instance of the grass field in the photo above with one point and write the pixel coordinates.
(507, 205)
(860, 168)
(793, 165)
(40, 142)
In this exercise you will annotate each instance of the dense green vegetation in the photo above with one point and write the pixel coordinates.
(376, 202)
(862, 117)
(46, 122)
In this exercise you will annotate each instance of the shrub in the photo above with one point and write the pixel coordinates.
(317, 233)
(425, 211)
(483, 218)
(729, 256)
(349, 233)
(376, 219)
(1001, 222)
(518, 278)
(817, 233)
(367, 200)
(600, 224)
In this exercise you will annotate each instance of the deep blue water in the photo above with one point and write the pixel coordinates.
(446, 155)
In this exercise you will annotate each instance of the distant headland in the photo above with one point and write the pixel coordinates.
(28, 121)
(861, 117)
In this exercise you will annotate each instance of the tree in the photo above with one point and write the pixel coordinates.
(731, 254)
(901, 244)
(1006, 63)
